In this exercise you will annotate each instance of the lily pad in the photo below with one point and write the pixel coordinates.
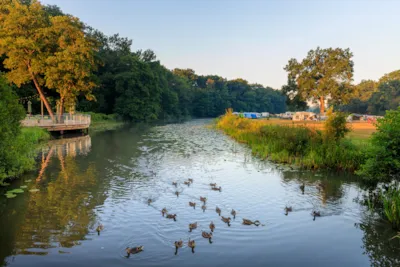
(10, 195)
(34, 190)
(15, 191)
(23, 186)
(4, 184)
(28, 181)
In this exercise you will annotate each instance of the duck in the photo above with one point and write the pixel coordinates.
(164, 211)
(302, 187)
(133, 250)
(250, 222)
(213, 184)
(192, 204)
(190, 180)
(177, 193)
(171, 216)
(186, 183)
(287, 210)
(233, 213)
(212, 226)
(178, 244)
(149, 201)
(204, 208)
(191, 244)
(218, 210)
(203, 199)
(99, 228)
(321, 186)
(207, 235)
(316, 214)
(175, 184)
(226, 220)
(216, 188)
(192, 226)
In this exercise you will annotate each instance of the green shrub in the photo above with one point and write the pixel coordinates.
(383, 158)
(335, 127)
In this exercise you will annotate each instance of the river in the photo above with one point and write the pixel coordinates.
(106, 178)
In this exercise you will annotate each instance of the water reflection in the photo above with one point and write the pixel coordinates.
(378, 242)
(60, 215)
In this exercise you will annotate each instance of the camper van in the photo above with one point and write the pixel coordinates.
(304, 116)
(287, 115)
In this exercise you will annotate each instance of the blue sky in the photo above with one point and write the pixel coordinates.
(250, 39)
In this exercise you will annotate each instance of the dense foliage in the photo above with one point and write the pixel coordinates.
(16, 154)
(383, 163)
(51, 51)
(137, 87)
(376, 97)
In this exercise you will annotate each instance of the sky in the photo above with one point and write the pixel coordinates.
(250, 39)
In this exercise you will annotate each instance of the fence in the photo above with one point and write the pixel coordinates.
(65, 119)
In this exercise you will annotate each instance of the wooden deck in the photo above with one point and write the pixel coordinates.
(66, 122)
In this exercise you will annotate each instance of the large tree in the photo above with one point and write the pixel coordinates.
(39, 45)
(69, 70)
(324, 73)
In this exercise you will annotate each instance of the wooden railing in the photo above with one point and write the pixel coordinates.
(64, 122)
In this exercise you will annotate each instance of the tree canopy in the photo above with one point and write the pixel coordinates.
(375, 97)
(49, 49)
(324, 73)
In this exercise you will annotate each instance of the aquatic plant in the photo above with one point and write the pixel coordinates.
(391, 206)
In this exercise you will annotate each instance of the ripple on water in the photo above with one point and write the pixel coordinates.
(258, 190)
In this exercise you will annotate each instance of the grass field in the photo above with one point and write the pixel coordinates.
(359, 130)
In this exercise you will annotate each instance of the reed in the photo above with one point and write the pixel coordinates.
(391, 206)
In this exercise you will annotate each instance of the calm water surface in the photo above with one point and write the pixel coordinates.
(107, 178)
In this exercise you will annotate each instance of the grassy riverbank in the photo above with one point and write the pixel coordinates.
(294, 144)
(102, 122)
(20, 157)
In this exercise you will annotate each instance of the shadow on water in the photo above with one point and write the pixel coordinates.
(108, 177)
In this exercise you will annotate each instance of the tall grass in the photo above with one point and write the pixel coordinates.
(292, 144)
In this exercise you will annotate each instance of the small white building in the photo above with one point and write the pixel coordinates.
(264, 114)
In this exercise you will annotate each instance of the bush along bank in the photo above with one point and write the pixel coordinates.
(20, 157)
(17, 146)
(382, 169)
(302, 146)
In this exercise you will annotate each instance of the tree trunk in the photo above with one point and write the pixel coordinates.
(61, 110)
(321, 105)
(39, 89)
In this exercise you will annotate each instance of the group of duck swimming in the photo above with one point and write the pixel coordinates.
(193, 226)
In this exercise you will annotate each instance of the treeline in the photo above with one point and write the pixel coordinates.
(375, 97)
(73, 67)
(137, 87)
